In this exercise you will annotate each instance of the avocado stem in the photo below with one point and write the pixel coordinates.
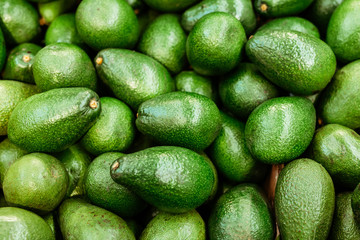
(115, 166)
(93, 103)
(99, 60)
(263, 7)
(26, 58)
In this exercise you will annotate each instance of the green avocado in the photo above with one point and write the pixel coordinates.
(170, 5)
(280, 8)
(2, 50)
(49, 11)
(355, 203)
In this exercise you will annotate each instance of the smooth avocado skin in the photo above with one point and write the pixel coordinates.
(11, 94)
(280, 8)
(19, 63)
(245, 88)
(173, 179)
(107, 24)
(133, 77)
(103, 192)
(170, 5)
(280, 129)
(304, 200)
(337, 148)
(295, 61)
(51, 10)
(343, 33)
(355, 203)
(80, 220)
(165, 41)
(114, 131)
(241, 9)
(336, 103)
(180, 119)
(242, 212)
(163, 226)
(17, 223)
(53, 120)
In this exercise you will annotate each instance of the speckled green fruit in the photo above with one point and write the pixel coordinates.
(37, 182)
(107, 24)
(343, 34)
(19, 21)
(245, 88)
(279, 8)
(355, 203)
(163, 226)
(216, 180)
(304, 200)
(102, 191)
(51, 10)
(211, 53)
(114, 131)
(53, 120)
(241, 213)
(11, 94)
(280, 129)
(9, 153)
(173, 179)
(295, 61)
(241, 9)
(336, 103)
(62, 65)
(180, 119)
(17, 223)
(82, 221)
(165, 41)
(133, 77)
(170, 5)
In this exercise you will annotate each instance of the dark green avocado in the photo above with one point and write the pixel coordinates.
(280, 8)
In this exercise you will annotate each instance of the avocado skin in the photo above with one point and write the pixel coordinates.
(241, 213)
(51, 10)
(17, 223)
(344, 226)
(165, 41)
(244, 88)
(102, 191)
(82, 221)
(280, 129)
(241, 9)
(170, 5)
(133, 77)
(336, 103)
(169, 226)
(180, 119)
(343, 33)
(11, 94)
(107, 24)
(336, 148)
(173, 179)
(280, 8)
(53, 120)
(304, 200)
(2, 50)
(355, 203)
(212, 54)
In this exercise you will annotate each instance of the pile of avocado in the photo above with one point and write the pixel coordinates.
(179, 119)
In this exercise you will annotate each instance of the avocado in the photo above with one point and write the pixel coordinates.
(343, 33)
(53, 120)
(244, 88)
(173, 179)
(82, 221)
(180, 119)
(336, 103)
(9, 153)
(190, 81)
(2, 50)
(11, 94)
(211, 53)
(50, 220)
(49, 11)
(133, 77)
(344, 226)
(19, 21)
(215, 188)
(304, 200)
(19, 63)
(102, 191)
(17, 223)
(36, 181)
(295, 61)
(280, 8)
(113, 131)
(280, 129)
(231, 155)
(107, 24)
(170, 5)
(337, 148)
(163, 226)
(241, 213)
(62, 65)
(165, 41)
(355, 203)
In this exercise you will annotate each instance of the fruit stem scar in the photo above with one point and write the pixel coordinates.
(263, 7)
(251, 37)
(42, 21)
(99, 60)
(115, 166)
(93, 103)
(136, 11)
(26, 58)
(137, 115)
